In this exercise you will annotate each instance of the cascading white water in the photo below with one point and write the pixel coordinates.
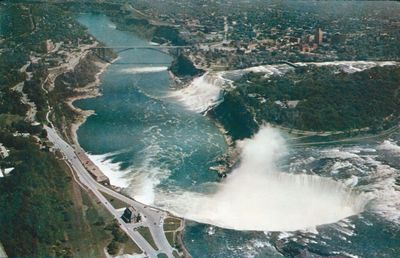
(203, 93)
(206, 91)
(145, 69)
(351, 66)
(257, 196)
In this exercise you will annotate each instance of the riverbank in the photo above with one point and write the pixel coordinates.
(232, 155)
(91, 90)
(77, 78)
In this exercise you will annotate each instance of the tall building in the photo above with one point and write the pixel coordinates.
(319, 34)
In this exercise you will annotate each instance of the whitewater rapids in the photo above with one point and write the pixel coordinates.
(207, 91)
(146, 69)
(258, 196)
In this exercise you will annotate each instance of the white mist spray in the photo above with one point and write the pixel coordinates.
(146, 69)
(257, 196)
(202, 94)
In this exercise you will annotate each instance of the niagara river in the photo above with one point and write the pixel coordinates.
(155, 143)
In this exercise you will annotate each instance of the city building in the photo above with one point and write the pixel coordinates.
(92, 168)
(131, 215)
(319, 34)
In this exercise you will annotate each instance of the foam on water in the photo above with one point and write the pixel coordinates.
(339, 154)
(390, 146)
(371, 175)
(152, 165)
(146, 175)
(202, 94)
(146, 69)
(112, 26)
(351, 66)
(382, 185)
(252, 247)
(270, 70)
(257, 196)
(111, 170)
(340, 165)
(142, 186)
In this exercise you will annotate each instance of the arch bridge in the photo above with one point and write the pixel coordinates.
(101, 51)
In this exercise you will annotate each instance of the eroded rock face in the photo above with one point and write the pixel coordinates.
(183, 67)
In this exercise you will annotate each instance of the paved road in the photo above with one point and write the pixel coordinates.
(153, 218)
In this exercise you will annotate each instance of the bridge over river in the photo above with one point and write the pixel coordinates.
(103, 51)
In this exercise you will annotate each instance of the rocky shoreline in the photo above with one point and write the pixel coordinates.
(229, 159)
(91, 90)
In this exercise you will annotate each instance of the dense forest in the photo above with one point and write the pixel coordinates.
(313, 98)
(43, 212)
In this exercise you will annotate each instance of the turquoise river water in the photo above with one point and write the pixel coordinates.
(151, 145)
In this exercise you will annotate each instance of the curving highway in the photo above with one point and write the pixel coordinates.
(153, 218)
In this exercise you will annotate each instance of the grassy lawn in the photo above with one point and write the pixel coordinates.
(171, 224)
(145, 232)
(117, 204)
(96, 216)
(171, 238)
(131, 248)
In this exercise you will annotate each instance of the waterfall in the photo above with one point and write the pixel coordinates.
(258, 196)
(203, 93)
(145, 69)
